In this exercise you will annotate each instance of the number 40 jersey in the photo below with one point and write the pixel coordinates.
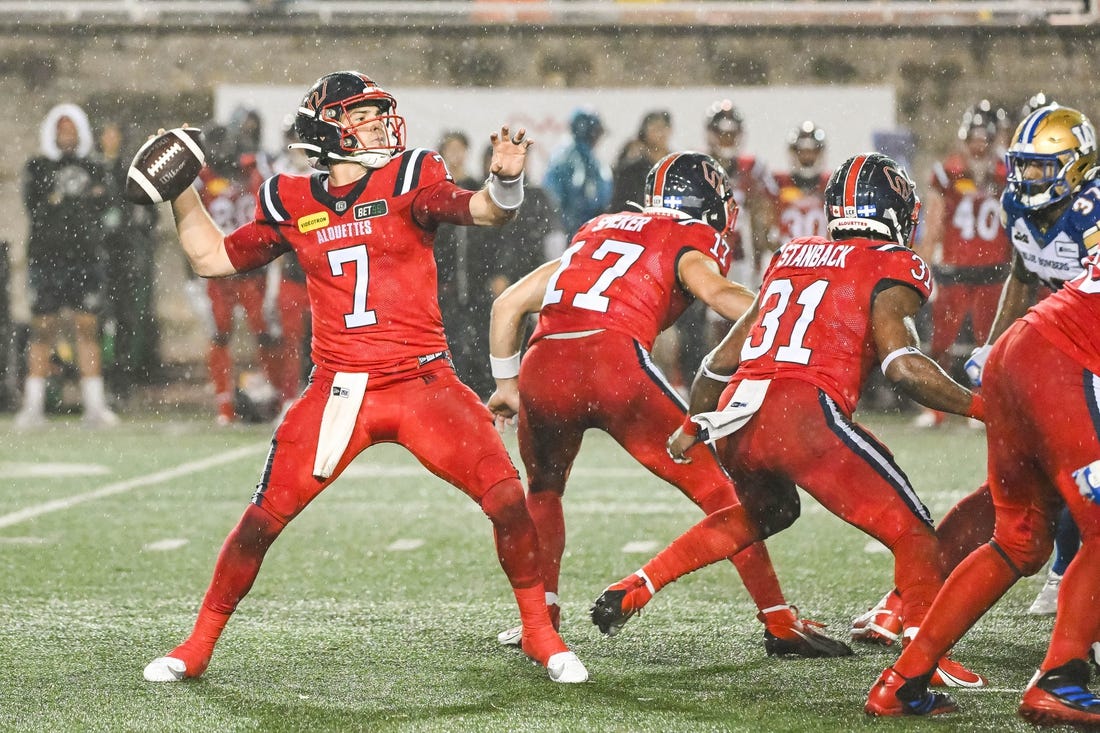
(814, 320)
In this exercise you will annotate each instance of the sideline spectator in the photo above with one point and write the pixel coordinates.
(638, 156)
(461, 275)
(66, 193)
(576, 178)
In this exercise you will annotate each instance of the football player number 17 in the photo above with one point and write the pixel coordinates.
(357, 256)
(771, 321)
(594, 299)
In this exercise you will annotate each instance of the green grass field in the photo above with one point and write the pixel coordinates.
(378, 608)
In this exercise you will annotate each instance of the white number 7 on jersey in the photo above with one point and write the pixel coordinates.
(594, 299)
(337, 258)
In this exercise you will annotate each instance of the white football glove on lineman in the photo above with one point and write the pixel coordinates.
(976, 363)
(1088, 481)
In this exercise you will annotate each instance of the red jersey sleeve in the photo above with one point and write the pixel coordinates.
(439, 200)
(903, 266)
(254, 245)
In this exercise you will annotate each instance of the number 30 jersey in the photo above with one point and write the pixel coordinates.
(619, 274)
(369, 262)
(814, 320)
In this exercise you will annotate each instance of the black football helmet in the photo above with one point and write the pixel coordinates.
(323, 114)
(870, 195)
(694, 184)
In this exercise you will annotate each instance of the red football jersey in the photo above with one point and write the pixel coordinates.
(815, 304)
(369, 263)
(1068, 318)
(800, 211)
(973, 234)
(229, 199)
(749, 179)
(619, 274)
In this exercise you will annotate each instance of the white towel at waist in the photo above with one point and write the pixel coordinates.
(338, 421)
(746, 400)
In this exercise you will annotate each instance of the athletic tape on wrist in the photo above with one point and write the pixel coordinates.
(895, 354)
(507, 193)
(505, 368)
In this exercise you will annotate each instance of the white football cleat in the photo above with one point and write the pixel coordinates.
(566, 668)
(1046, 603)
(511, 637)
(165, 669)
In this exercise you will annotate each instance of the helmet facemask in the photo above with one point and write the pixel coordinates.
(1053, 154)
(331, 125)
(342, 114)
(1050, 186)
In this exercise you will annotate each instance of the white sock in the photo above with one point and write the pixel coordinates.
(34, 395)
(91, 391)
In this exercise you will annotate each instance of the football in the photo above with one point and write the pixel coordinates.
(165, 166)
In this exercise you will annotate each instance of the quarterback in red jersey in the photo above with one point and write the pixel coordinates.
(363, 234)
(1043, 428)
(625, 278)
(964, 239)
(827, 313)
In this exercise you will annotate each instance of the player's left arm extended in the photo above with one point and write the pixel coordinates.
(699, 274)
(921, 378)
(502, 194)
(509, 311)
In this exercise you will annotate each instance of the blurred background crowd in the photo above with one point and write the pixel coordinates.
(101, 316)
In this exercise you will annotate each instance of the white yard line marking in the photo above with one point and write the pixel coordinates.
(405, 545)
(165, 545)
(122, 487)
(51, 470)
(646, 546)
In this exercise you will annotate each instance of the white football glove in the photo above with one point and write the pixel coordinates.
(976, 363)
(1088, 481)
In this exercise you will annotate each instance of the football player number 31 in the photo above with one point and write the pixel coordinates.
(775, 316)
(357, 256)
(594, 299)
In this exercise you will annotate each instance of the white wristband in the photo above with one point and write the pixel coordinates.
(705, 369)
(895, 354)
(505, 368)
(507, 193)
(724, 378)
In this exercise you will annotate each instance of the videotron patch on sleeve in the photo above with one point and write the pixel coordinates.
(370, 209)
